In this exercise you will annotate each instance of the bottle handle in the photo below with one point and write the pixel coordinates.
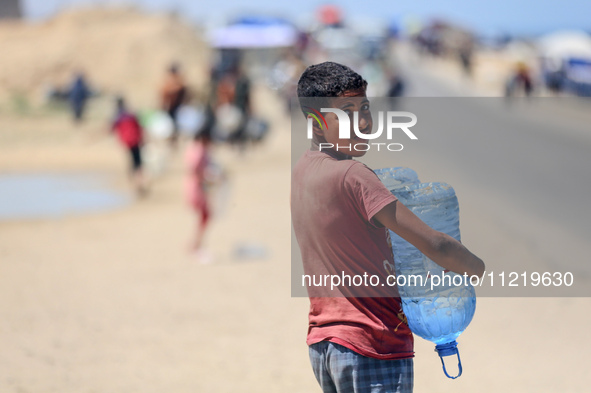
(459, 366)
(449, 349)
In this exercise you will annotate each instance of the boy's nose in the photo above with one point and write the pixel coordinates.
(363, 123)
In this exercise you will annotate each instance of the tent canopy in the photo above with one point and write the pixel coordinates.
(254, 32)
(566, 44)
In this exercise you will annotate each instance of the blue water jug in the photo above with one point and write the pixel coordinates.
(438, 304)
(394, 178)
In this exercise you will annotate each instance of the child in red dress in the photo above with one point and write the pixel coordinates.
(197, 160)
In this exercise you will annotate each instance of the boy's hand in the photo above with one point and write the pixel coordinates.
(437, 246)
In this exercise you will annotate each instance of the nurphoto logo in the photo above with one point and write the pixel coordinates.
(392, 120)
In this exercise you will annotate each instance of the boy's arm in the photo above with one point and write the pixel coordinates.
(437, 246)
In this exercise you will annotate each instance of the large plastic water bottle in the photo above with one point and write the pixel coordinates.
(438, 304)
(394, 178)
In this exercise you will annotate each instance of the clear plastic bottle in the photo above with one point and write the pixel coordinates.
(438, 304)
(394, 178)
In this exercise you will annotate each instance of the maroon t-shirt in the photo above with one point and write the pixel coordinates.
(333, 202)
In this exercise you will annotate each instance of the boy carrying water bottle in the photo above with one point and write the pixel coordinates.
(358, 337)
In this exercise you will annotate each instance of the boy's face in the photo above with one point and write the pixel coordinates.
(349, 102)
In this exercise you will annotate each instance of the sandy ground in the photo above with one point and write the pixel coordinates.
(111, 302)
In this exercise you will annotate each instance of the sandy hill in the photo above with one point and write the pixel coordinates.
(119, 49)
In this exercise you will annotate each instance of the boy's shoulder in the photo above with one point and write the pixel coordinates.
(315, 165)
(323, 160)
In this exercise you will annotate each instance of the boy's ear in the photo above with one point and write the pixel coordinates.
(316, 129)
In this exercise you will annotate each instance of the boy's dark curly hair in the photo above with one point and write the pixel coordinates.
(327, 80)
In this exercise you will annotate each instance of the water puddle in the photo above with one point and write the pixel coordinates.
(52, 195)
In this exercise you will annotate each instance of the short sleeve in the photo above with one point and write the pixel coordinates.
(368, 193)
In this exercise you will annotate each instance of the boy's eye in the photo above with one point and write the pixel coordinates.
(365, 107)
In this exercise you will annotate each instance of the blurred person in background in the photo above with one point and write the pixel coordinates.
(234, 89)
(519, 81)
(285, 74)
(230, 102)
(198, 160)
(554, 75)
(78, 93)
(465, 54)
(395, 85)
(173, 94)
(130, 134)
